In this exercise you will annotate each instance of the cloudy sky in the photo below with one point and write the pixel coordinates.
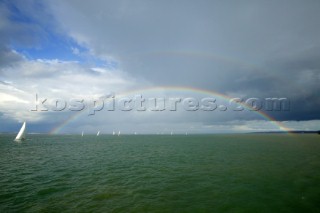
(163, 49)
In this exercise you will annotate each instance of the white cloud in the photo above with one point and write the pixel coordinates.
(4, 98)
(75, 50)
(52, 79)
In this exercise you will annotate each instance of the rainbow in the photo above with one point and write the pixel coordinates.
(262, 114)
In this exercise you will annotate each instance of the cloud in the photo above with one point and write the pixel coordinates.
(72, 49)
(249, 48)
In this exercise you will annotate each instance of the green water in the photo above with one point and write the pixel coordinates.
(203, 173)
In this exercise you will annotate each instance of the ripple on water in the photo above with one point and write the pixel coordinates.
(160, 174)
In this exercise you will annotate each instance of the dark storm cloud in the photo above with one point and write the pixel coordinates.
(251, 48)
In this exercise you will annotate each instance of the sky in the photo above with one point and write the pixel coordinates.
(88, 50)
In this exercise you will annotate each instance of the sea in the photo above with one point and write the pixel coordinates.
(160, 173)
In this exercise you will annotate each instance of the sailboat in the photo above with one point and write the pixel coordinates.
(113, 133)
(98, 133)
(119, 133)
(22, 133)
(82, 134)
(171, 133)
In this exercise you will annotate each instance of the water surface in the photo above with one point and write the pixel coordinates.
(194, 173)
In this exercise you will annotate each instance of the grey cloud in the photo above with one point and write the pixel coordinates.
(253, 48)
(248, 48)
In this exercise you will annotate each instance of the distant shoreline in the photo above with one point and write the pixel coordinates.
(267, 132)
(281, 132)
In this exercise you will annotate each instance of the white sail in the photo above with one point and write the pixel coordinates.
(22, 133)
(119, 133)
(113, 133)
(98, 133)
(82, 134)
(171, 133)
